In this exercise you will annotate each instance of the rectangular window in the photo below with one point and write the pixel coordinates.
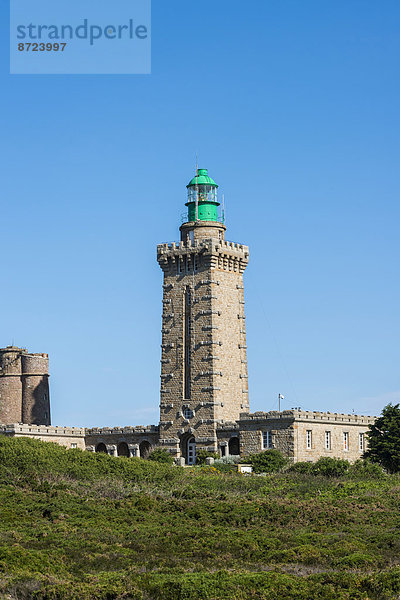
(195, 263)
(267, 440)
(327, 440)
(73, 445)
(309, 439)
(345, 441)
(181, 264)
(361, 442)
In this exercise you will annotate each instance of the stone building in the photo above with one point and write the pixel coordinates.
(204, 396)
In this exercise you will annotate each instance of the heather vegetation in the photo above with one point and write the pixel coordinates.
(76, 525)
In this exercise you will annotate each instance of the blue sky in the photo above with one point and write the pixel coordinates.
(294, 109)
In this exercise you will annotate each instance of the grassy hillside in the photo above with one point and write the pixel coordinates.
(75, 525)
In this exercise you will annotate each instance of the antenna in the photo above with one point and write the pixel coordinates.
(223, 208)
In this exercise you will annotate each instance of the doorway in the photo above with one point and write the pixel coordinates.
(191, 451)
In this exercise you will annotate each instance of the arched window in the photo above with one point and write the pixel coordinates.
(101, 448)
(123, 449)
(144, 449)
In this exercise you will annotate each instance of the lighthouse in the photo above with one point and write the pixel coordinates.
(203, 352)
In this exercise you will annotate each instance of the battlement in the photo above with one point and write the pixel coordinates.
(122, 430)
(209, 244)
(42, 430)
(308, 416)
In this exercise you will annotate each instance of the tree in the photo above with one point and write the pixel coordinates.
(384, 439)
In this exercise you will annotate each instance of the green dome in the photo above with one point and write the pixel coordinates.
(202, 178)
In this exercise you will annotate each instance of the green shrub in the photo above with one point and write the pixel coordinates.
(356, 560)
(201, 456)
(162, 456)
(269, 461)
(366, 469)
(302, 467)
(225, 467)
(331, 467)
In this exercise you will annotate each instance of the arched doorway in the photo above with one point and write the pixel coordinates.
(123, 449)
(144, 449)
(191, 451)
(234, 447)
(101, 448)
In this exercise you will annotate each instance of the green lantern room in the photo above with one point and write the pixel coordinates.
(202, 198)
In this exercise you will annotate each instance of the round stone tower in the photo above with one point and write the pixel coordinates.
(10, 385)
(24, 387)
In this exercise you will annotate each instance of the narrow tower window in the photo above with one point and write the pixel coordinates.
(188, 336)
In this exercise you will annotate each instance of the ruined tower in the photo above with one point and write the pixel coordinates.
(203, 358)
(24, 387)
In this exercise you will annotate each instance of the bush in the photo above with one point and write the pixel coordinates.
(225, 467)
(269, 461)
(366, 469)
(302, 467)
(162, 456)
(331, 467)
(228, 460)
(201, 456)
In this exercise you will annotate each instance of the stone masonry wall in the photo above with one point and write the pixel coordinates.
(280, 427)
(10, 385)
(35, 389)
(337, 425)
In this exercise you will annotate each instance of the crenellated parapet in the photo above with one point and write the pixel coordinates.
(122, 430)
(184, 256)
(308, 416)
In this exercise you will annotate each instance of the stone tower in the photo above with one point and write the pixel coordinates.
(24, 387)
(203, 359)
